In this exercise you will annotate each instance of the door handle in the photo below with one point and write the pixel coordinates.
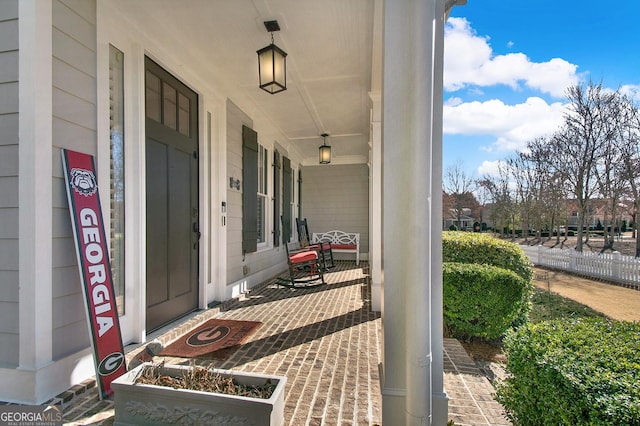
(196, 230)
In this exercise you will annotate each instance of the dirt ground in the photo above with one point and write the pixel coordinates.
(619, 303)
(616, 302)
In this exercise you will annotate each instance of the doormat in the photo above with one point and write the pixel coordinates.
(216, 338)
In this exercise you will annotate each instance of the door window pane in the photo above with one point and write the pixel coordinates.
(153, 101)
(183, 115)
(169, 106)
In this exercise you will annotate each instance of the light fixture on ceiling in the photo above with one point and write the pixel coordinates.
(272, 64)
(324, 150)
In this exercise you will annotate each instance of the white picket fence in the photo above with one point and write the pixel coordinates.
(610, 266)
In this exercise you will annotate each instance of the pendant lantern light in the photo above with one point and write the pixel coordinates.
(272, 64)
(324, 150)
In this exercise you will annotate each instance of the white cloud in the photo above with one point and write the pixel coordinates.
(469, 61)
(453, 101)
(490, 168)
(512, 126)
(633, 91)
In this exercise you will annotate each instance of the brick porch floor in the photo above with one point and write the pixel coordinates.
(327, 342)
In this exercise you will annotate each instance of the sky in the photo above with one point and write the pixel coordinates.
(507, 64)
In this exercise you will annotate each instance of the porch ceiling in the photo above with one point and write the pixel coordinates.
(329, 63)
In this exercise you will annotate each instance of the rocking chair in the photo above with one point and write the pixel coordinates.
(323, 248)
(304, 265)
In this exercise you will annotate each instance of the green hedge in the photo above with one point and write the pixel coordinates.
(481, 300)
(468, 247)
(581, 371)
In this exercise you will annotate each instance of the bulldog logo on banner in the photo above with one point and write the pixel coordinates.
(95, 268)
(84, 182)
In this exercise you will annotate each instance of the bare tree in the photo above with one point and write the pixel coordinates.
(592, 160)
(556, 202)
(631, 162)
(543, 198)
(610, 177)
(484, 197)
(580, 142)
(493, 209)
(613, 180)
(503, 208)
(459, 186)
(529, 169)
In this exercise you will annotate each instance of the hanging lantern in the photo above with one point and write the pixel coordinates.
(272, 64)
(324, 150)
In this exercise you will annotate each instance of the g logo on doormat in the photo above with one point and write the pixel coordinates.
(209, 335)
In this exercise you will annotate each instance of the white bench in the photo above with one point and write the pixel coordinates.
(341, 242)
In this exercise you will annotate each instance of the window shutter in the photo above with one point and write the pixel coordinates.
(249, 190)
(286, 199)
(300, 192)
(276, 198)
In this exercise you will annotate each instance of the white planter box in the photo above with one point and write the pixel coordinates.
(138, 404)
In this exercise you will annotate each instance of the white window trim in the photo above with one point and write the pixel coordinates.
(264, 180)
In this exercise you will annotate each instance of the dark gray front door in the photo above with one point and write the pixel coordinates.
(171, 197)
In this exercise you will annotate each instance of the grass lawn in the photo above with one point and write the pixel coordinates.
(547, 306)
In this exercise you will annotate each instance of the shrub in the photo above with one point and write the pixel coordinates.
(481, 300)
(582, 371)
(464, 247)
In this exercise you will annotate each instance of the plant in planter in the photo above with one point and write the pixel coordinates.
(158, 394)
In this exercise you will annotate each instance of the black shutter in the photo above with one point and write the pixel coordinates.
(249, 190)
(300, 192)
(286, 199)
(276, 198)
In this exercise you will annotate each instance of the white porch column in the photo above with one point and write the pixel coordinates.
(375, 203)
(35, 183)
(375, 161)
(439, 413)
(412, 137)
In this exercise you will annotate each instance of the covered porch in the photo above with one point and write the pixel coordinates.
(327, 341)
(170, 90)
(368, 74)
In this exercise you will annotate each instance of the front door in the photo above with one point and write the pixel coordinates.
(171, 197)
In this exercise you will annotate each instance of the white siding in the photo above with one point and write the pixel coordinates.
(235, 119)
(337, 197)
(9, 214)
(264, 259)
(74, 127)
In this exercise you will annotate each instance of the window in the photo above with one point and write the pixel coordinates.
(116, 172)
(263, 198)
(255, 192)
